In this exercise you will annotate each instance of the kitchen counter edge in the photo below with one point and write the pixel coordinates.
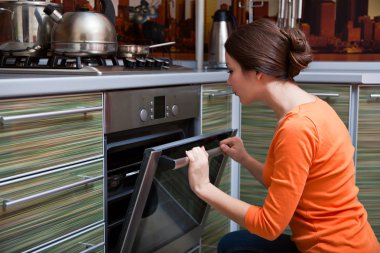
(33, 85)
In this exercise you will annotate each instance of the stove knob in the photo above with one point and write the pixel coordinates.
(143, 115)
(175, 110)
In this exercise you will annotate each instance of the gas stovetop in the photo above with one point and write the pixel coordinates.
(85, 65)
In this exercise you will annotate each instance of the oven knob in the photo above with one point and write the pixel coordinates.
(175, 110)
(143, 115)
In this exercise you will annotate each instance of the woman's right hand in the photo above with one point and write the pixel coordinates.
(234, 148)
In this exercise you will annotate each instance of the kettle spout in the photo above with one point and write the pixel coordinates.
(55, 15)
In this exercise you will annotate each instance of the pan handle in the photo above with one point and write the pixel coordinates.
(162, 44)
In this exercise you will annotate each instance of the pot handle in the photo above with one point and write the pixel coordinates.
(109, 10)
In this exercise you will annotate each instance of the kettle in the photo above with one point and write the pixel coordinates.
(83, 32)
(223, 25)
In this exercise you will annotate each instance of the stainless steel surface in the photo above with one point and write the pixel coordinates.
(184, 161)
(27, 17)
(138, 207)
(93, 71)
(83, 33)
(33, 116)
(199, 31)
(220, 94)
(221, 29)
(325, 94)
(93, 248)
(290, 12)
(84, 48)
(124, 107)
(131, 50)
(162, 44)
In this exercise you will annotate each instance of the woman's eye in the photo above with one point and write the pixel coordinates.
(229, 71)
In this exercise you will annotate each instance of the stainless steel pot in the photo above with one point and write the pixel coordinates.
(25, 18)
(134, 51)
(83, 33)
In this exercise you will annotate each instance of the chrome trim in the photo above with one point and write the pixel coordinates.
(92, 248)
(9, 203)
(325, 94)
(235, 166)
(26, 117)
(220, 94)
(184, 161)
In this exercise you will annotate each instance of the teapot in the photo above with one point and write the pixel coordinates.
(83, 32)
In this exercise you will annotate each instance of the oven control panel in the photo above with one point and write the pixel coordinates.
(130, 109)
(159, 110)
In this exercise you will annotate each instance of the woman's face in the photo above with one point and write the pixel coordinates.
(244, 84)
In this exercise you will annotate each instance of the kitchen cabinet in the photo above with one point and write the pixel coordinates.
(368, 153)
(258, 124)
(51, 172)
(216, 115)
(46, 132)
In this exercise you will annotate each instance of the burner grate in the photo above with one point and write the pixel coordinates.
(78, 62)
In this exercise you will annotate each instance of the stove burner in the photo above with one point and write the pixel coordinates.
(78, 62)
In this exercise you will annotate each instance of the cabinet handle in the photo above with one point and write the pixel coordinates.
(374, 95)
(174, 164)
(92, 248)
(8, 203)
(220, 94)
(26, 117)
(325, 94)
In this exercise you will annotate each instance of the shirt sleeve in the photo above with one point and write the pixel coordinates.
(292, 150)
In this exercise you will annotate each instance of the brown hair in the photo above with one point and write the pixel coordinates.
(264, 47)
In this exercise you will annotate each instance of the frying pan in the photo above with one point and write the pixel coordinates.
(139, 50)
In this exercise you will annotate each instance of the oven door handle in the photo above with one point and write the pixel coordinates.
(174, 164)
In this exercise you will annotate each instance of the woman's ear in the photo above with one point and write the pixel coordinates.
(259, 75)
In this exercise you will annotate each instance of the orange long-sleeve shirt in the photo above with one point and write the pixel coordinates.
(309, 173)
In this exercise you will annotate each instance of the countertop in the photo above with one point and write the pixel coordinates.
(20, 85)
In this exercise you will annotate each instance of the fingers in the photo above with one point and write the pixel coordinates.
(189, 155)
(196, 152)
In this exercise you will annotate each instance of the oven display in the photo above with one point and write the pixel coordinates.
(159, 107)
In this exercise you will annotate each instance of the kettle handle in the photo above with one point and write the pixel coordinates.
(109, 10)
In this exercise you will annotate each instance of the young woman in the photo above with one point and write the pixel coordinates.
(309, 170)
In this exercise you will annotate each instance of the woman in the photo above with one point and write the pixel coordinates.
(309, 169)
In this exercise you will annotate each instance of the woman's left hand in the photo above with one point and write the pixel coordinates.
(198, 168)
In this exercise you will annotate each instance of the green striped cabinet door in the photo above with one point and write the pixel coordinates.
(51, 171)
(44, 132)
(46, 206)
(258, 124)
(89, 240)
(368, 153)
(216, 115)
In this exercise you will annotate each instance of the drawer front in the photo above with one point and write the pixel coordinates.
(89, 240)
(337, 96)
(39, 133)
(48, 205)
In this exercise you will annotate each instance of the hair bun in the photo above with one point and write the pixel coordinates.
(296, 39)
(299, 51)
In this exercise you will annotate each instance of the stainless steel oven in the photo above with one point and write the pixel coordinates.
(150, 206)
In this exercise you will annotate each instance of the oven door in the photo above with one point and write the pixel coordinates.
(164, 214)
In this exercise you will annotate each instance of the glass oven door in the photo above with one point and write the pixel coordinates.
(164, 215)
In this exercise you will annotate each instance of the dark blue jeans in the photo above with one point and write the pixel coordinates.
(243, 241)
